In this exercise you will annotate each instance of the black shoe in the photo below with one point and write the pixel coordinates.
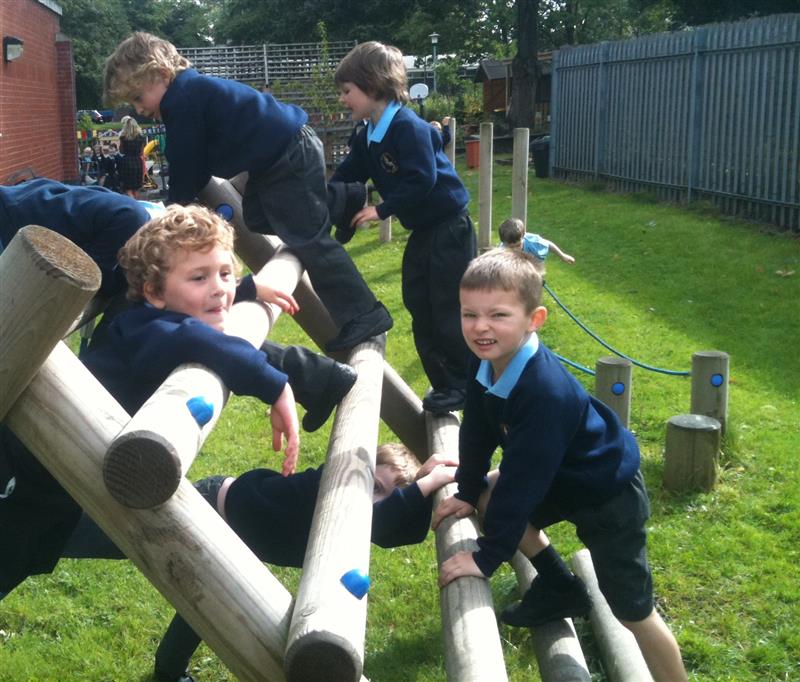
(209, 488)
(542, 604)
(355, 199)
(340, 381)
(376, 321)
(164, 677)
(443, 400)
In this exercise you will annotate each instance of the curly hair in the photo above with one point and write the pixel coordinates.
(147, 256)
(136, 62)
(401, 460)
(376, 69)
(508, 270)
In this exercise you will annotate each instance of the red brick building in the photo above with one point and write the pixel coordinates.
(37, 94)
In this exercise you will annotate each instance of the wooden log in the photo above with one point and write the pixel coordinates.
(613, 384)
(472, 648)
(385, 230)
(149, 457)
(485, 188)
(558, 651)
(326, 635)
(622, 659)
(691, 455)
(519, 175)
(67, 419)
(51, 280)
(450, 148)
(401, 408)
(710, 372)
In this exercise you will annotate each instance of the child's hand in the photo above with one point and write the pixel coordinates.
(451, 506)
(567, 258)
(283, 300)
(458, 565)
(446, 121)
(435, 460)
(283, 418)
(438, 476)
(365, 215)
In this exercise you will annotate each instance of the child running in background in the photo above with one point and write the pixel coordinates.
(512, 234)
(221, 127)
(404, 157)
(566, 456)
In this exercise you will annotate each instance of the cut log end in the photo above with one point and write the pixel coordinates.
(60, 257)
(141, 473)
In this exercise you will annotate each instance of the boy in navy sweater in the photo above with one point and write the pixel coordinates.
(221, 127)
(404, 157)
(566, 456)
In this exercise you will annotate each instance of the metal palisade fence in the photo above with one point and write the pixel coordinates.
(710, 113)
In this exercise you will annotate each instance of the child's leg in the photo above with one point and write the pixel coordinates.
(175, 650)
(290, 200)
(319, 383)
(659, 648)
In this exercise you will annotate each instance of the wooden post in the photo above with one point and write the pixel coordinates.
(326, 636)
(401, 408)
(385, 227)
(710, 371)
(613, 384)
(519, 175)
(51, 280)
(450, 149)
(558, 651)
(691, 455)
(485, 188)
(622, 660)
(472, 648)
(67, 419)
(150, 456)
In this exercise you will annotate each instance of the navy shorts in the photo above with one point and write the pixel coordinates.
(615, 534)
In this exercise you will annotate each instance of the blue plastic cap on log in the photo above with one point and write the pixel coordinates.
(225, 211)
(717, 379)
(356, 582)
(618, 388)
(200, 409)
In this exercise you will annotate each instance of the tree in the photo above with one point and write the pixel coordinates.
(524, 68)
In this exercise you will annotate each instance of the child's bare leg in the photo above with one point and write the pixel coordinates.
(659, 648)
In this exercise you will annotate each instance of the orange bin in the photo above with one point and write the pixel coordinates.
(473, 153)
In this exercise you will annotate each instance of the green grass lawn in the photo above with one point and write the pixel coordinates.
(657, 281)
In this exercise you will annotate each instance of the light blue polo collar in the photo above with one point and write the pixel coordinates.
(377, 133)
(510, 377)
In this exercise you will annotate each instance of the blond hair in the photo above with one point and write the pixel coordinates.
(377, 69)
(511, 231)
(400, 460)
(137, 61)
(508, 270)
(130, 128)
(147, 256)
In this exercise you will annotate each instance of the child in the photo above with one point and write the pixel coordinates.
(512, 234)
(443, 129)
(404, 157)
(130, 166)
(566, 456)
(221, 127)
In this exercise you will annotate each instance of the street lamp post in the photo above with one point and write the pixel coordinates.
(434, 41)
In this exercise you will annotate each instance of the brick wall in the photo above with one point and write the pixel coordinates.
(37, 94)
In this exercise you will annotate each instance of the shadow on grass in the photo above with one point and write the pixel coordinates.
(403, 655)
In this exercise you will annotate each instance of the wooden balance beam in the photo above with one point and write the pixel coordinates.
(401, 408)
(67, 419)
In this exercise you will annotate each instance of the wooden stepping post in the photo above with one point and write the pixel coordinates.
(472, 648)
(485, 172)
(622, 659)
(613, 384)
(710, 374)
(691, 455)
(401, 408)
(519, 174)
(558, 651)
(326, 636)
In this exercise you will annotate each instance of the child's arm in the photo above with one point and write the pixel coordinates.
(557, 250)
(284, 300)
(283, 418)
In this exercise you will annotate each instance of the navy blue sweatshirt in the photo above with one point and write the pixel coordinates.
(413, 175)
(559, 444)
(221, 127)
(98, 220)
